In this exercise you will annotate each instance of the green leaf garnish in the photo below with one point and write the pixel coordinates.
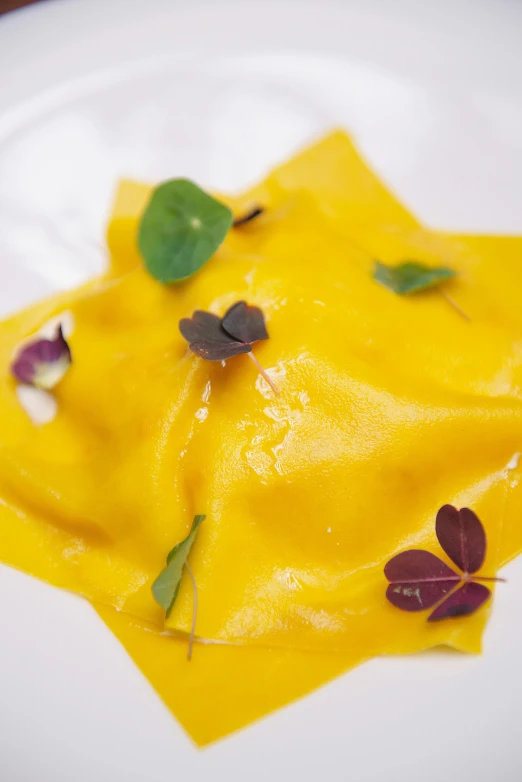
(181, 229)
(410, 276)
(166, 587)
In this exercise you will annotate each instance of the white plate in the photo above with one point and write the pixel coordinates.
(220, 91)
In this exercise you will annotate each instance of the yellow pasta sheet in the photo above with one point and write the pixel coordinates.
(389, 407)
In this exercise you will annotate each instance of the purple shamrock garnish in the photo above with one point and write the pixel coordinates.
(216, 339)
(43, 362)
(419, 580)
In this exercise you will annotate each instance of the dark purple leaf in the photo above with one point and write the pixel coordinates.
(43, 362)
(462, 537)
(207, 337)
(203, 325)
(218, 351)
(418, 580)
(216, 340)
(245, 323)
(462, 602)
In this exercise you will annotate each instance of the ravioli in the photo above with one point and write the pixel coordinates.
(389, 408)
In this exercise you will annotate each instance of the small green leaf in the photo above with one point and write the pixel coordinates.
(410, 276)
(181, 229)
(166, 587)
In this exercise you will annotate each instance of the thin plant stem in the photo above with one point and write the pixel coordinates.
(456, 578)
(252, 213)
(194, 612)
(454, 304)
(263, 373)
(488, 578)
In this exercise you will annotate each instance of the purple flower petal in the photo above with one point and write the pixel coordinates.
(418, 580)
(245, 323)
(462, 537)
(462, 602)
(43, 362)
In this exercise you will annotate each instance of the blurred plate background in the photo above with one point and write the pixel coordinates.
(93, 90)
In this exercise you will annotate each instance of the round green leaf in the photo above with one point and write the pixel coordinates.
(181, 229)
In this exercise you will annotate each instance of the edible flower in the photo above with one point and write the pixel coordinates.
(43, 362)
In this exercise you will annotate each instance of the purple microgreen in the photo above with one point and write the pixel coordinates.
(42, 363)
(245, 323)
(166, 587)
(247, 217)
(462, 602)
(216, 339)
(207, 337)
(462, 537)
(419, 579)
(218, 351)
(202, 325)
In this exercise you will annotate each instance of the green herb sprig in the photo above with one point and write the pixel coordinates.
(166, 587)
(413, 277)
